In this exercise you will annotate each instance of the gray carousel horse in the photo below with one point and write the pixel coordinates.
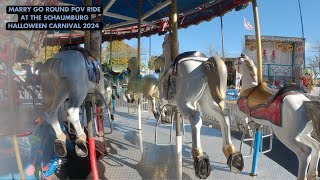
(197, 84)
(111, 92)
(293, 117)
(138, 85)
(71, 74)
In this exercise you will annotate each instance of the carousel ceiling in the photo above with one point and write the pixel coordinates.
(120, 17)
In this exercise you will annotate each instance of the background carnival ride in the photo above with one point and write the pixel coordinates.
(154, 18)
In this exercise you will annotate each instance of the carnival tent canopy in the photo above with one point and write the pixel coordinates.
(120, 17)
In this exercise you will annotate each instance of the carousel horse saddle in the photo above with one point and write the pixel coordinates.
(264, 103)
(91, 62)
(187, 54)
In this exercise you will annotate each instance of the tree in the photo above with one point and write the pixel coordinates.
(211, 51)
(314, 61)
(121, 53)
(46, 53)
(151, 62)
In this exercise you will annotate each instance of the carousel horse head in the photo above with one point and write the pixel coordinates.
(245, 65)
(159, 64)
(132, 65)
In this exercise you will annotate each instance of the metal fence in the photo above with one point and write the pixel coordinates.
(231, 105)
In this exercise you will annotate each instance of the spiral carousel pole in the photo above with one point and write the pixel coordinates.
(257, 137)
(139, 60)
(175, 51)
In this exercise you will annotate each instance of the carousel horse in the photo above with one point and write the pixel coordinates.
(31, 78)
(71, 74)
(292, 116)
(111, 92)
(165, 111)
(138, 85)
(197, 84)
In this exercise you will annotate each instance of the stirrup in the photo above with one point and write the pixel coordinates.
(243, 139)
(165, 125)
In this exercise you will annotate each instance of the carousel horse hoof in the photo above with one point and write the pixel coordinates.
(165, 120)
(81, 148)
(202, 166)
(60, 148)
(156, 115)
(235, 162)
(112, 117)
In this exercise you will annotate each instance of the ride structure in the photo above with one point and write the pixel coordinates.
(182, 15)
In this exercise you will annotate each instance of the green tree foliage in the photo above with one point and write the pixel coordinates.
(151, 62)
(46, 53)
(121, 53)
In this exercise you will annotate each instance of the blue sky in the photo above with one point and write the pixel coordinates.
(277, 18)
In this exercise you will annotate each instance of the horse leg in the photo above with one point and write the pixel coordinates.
(234, 158)
(60, 141)
(303, 153)
(297, 146)
(202, 165)
(153, 109)
(315, 150)
(110, 110)
(74, 118)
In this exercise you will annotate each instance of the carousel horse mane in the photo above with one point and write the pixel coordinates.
(252, 68)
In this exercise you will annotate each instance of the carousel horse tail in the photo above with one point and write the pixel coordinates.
(50, 79)
(216, 72)
(313, 108)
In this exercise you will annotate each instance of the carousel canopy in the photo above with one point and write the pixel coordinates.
(120, 17)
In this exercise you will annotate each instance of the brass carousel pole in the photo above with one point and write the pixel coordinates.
(12, 107)
(258, 39)
(222, 34)
(89, 108)
(139, 59)
(109, 63)
(257, 137)
(45, 47)
(175, 51)
(139, 33)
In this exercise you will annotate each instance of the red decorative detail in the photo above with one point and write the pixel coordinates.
(93, 160)
(98, 120)
(237, 2)
(264, 53)
(271, 113)
(273, 54)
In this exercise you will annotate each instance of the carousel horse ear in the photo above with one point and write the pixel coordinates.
(244, 56)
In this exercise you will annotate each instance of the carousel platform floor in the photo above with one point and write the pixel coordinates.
(133, 154)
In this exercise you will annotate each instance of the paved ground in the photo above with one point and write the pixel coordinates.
(134, 155)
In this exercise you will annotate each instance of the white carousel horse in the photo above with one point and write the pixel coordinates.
(199, 86)
(66, 75)
(138, 85)
(292, 116)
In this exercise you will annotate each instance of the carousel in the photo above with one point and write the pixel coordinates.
(58, 121)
